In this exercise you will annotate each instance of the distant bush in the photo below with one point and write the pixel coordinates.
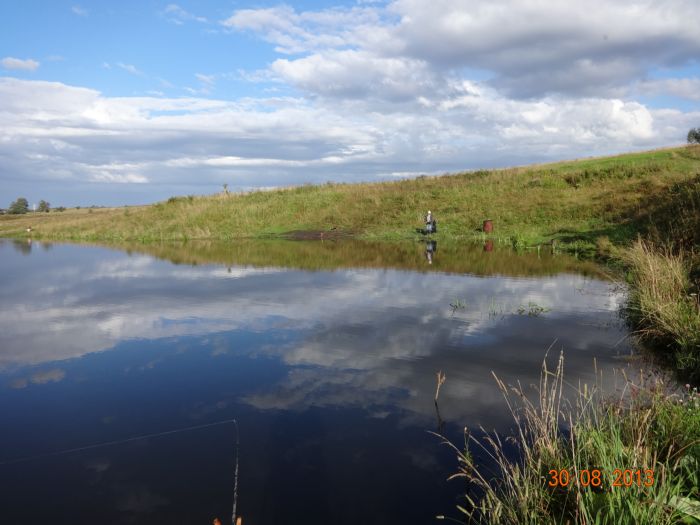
(60, 208)
(20, 206)
(44, 206)
(175, 200)
(694, 136)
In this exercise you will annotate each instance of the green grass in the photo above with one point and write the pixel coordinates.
(647, 427)
(575, 202)
(663, 304)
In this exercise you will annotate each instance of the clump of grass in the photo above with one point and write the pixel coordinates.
(532, 309)
(663, 304)
(646, 429)
(604, 248)
(458, 304)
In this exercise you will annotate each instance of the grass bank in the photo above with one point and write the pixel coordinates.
(631, 459)
(573, 202)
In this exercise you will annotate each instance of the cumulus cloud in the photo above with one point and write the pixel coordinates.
(19, 64)
(357, 74)
(527, 49)
(53, 132)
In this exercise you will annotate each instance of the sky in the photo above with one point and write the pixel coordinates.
(113, 103)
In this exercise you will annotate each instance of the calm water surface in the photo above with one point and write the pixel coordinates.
(325, 354)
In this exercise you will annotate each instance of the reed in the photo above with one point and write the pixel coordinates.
(646, 428)
(663, 303)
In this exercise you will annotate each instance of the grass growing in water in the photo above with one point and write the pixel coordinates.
(646, 428)
(532, 309)
(458, 304)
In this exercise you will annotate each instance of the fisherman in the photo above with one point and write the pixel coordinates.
(430, 223)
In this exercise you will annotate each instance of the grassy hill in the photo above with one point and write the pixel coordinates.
(575, 202)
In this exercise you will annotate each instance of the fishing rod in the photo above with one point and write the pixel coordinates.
(235, 482)
(235, 520)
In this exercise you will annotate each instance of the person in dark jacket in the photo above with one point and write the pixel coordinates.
(430, 223)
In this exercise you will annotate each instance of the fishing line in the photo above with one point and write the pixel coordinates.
(128, 440)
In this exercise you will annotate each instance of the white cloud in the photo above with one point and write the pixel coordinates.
(177, 15)
(76, 134)
(527, 48)
(357, 74)
(206, 84)
(19, 64)
(688, 88)
(294, 32)
(206, 79)
(80, 11)
(130, 68)
(119, 178)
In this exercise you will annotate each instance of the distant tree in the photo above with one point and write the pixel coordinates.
(60, 208)
(694, 136)
(20, 206)
(44, 206)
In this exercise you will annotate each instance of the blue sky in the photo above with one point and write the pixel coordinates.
(121, 103)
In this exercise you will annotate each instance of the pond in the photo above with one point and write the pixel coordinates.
(122, 368)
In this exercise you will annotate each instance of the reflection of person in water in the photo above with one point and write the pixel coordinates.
(430, 249)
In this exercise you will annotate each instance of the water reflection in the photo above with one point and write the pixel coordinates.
(430, 249)
(23, 246)
(332, 255)
(331, 374)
